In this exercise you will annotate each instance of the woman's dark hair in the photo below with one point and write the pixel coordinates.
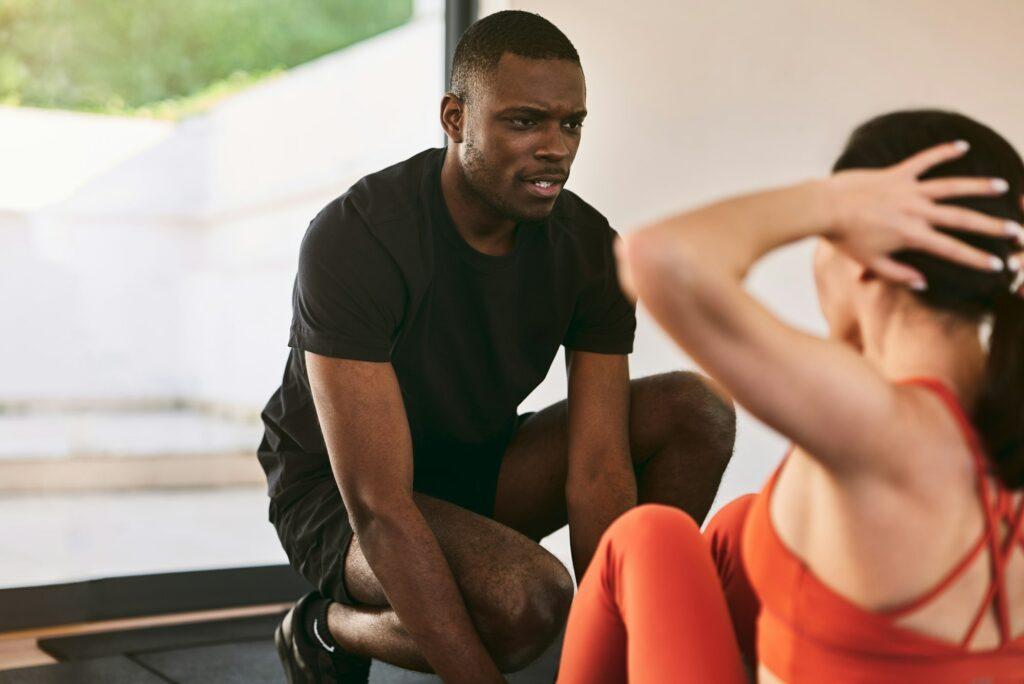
(891, 138)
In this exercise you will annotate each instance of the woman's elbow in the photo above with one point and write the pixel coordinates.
(656, 258)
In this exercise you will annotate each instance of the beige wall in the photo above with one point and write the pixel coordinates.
(692, 100)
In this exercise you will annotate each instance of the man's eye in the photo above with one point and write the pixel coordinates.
(523, 123)
(573, 125)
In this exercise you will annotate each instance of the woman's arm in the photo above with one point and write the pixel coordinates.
(688, 270)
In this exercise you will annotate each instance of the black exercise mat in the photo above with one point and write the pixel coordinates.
(117, 670)
(250, 662)
(115, 598)
(132, 641)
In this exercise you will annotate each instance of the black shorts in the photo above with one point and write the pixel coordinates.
(315, 531)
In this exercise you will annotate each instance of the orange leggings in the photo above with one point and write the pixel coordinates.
(659, 602)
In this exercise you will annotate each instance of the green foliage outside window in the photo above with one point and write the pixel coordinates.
(168, 58)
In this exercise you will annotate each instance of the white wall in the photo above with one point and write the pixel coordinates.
(693, 100)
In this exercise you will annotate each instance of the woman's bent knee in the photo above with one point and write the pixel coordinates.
(653, 524)
(724, 531)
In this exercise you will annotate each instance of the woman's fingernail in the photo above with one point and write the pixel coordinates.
(995, 263)
(962, 145)
(1017, 284)
(1016, 231)
(1000, 185)
(1013, 263)
(918, 286)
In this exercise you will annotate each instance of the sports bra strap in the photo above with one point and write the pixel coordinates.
(997, 509)
(951, 401)
(947, 580)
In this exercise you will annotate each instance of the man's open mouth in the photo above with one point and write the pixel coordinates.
(545, 188)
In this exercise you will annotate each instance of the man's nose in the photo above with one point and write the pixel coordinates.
(553, 146)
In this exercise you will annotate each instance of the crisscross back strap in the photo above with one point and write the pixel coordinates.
(997, 510)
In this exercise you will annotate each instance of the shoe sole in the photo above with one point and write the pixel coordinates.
(284, 652)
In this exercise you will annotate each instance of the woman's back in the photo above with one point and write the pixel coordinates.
(908, 581)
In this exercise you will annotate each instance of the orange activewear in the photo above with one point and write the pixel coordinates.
(650, 608)
(807, 632)
(662, 603)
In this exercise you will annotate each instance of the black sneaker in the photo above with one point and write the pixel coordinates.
(306, 662)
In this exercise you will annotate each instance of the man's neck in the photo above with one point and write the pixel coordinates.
(484, 229)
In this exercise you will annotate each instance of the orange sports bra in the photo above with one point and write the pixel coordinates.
(808, 633)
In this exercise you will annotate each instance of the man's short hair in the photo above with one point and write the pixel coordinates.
(520, 33)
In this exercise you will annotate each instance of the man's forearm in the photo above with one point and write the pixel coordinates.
(593, 504)
(407, 560)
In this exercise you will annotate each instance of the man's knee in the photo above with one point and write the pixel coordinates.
(527, 610)
(686, 409)
(698, 406)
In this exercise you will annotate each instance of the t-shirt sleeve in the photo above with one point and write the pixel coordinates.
(604, 321)
(349, 296)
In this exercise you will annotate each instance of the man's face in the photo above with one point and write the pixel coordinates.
(522, 130)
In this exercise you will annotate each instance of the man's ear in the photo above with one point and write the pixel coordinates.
(453, 117)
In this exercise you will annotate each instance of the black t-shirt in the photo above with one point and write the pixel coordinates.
(384, 276)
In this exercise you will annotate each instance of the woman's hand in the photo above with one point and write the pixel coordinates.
(879, 212)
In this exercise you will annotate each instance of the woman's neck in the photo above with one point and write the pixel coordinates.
(908, 340)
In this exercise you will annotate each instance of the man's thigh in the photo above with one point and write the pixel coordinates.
(530, 494)
(485, 557)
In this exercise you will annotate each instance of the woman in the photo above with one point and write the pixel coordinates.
(888, 545)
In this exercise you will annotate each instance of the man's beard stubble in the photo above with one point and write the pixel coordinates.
(480, 177)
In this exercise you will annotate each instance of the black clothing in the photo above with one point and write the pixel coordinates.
(385, 276)
(308, 652)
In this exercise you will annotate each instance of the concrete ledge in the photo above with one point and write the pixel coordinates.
(102, 472)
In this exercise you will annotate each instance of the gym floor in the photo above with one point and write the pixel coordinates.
(216, 646)
(213, 646)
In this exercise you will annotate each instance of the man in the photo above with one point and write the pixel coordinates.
(431, 298)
